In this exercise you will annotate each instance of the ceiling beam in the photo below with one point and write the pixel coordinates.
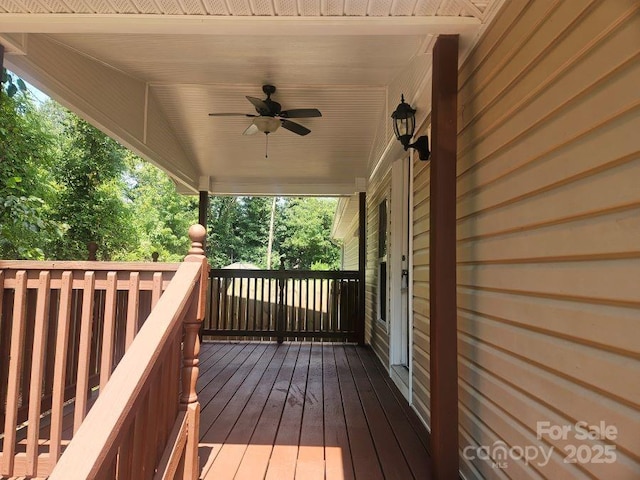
(280, 187)
(232, 25)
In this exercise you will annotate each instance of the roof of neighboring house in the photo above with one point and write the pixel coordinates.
(345, 217)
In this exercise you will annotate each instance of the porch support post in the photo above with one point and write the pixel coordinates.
(203, 208)
(442, 260)
(362, 264)
(203, 216)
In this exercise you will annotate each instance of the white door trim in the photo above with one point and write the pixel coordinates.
(400, 323)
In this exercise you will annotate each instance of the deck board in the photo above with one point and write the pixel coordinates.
(304, 411)
(258, 448)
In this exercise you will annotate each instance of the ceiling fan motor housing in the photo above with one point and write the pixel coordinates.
(271, 116)
(274, 108)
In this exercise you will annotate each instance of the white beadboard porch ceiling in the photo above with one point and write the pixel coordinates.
(148, 72)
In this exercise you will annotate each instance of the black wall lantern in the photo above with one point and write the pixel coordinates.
(404, 124)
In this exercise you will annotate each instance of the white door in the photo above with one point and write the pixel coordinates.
(399, 260)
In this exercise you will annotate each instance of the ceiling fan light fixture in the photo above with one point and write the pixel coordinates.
(267, 124)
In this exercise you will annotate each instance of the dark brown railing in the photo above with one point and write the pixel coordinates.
(283, 304)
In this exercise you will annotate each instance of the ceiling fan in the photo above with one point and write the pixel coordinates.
(271, 116)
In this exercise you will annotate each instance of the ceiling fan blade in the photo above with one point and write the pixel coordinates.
(295, 127)
(251, 130)
(261, 106)
(232, 115)
(301, 113)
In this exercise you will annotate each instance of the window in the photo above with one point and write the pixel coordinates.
(382, 261)
(382, 229)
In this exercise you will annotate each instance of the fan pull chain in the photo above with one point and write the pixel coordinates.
(266, 148)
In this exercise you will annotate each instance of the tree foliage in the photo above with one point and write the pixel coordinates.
(27, 151)
(89, 200)
(161, 215)
(239, 232)
(306, 243)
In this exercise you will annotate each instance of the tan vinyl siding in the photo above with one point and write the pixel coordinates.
(350, 249)
(548, 236)
(376, 331)
(420, 345)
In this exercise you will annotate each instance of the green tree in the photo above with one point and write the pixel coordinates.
(90, 200)
(305, 239)
(27, 151)
(239, 232)
(162, 216)
(221, 238)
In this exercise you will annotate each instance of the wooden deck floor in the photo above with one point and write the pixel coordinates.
(304, 411)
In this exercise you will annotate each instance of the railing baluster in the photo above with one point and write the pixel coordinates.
(322, 319)
(108, 332)
(15, 361)
(139, 435)
(152, 425)
(37, 368)
(306, 306)
(60, 369)
(74, 336)
(241, 310)
(215, 302)
(262, 327)
(156, 291)
(225, 303)
(300, 307)
(270, 316)
(5, 338)
(247, 305)
(125, 463)
(133, 308)
(84, 350)
(98, 329)
(163, 395)
(255, 302)
(27, 354)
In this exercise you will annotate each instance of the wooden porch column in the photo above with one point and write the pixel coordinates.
(203, 208)
(362, 264)
(442, 260)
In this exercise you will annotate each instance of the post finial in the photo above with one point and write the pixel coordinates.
(197, 234)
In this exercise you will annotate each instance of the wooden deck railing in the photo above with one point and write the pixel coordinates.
(64, 326)
(145, 423)
(279, 304)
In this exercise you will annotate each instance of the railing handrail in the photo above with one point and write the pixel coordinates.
(92, 444)
(256, 273)
(82, 265)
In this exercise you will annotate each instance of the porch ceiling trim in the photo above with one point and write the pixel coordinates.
(233, 25)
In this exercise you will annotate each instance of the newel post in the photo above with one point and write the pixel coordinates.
(190, 352)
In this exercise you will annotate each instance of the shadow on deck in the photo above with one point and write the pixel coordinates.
(306, 411)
